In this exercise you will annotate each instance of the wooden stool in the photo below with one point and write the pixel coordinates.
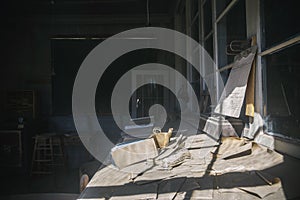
(58, 150)
(47, 152)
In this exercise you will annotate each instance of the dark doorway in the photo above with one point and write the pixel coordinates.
(67, 56)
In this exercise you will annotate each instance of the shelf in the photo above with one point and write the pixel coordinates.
(21, 102)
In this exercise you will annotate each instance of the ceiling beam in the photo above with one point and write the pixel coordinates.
(91, 19)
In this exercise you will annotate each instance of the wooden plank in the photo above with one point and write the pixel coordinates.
(250, 91)
(229, 66)
(280, 46)
(208, 35)
(226, 10)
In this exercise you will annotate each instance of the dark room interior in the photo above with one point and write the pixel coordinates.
(231, 129)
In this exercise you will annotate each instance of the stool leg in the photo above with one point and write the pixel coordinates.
(58, 151)
(33, 156)
(62, 151)
(51, 154)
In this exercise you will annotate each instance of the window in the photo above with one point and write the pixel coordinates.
(231, 27)
(281, 66)
(283, 91)
(208, 44)
(195, 28)
(193, 75)
(207, 28)
(207, 17)
(221, 5)
(281, 20)
(194, 7)
(207, 35)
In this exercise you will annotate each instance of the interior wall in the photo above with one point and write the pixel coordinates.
(26, 51)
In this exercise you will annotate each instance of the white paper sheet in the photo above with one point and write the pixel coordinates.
(215, 126)
(233, 95)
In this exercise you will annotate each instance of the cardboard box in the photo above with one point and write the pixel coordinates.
(126, 154)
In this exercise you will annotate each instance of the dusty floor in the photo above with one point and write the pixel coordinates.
(67, 181)
(259, 174)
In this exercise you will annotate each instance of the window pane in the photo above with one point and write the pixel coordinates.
(195, 30)
(207, 13)
(194, 8)
(221, 5)
(208, 45)
(283, 91)
(281, 20)
(183, 21)
(231, 27)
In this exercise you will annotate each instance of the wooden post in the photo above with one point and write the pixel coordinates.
(250, 91)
